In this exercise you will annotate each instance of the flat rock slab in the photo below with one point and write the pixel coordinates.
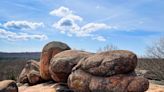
(44, 87)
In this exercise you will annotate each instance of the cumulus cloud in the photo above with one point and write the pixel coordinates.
(68, 25)
(92, 27)
(99, 38)
(65, 12)
(61, 12)
(20, 36)
(70, 28)
(22, 25)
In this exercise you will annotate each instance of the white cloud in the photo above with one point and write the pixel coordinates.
(71, 28)
(61, 12)
(99, 38)
(68, 25)
(92, 27)
(65, 12)
(22, 25)
(74, 17)
(20, 36)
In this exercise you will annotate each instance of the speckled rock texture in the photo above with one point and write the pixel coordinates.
(109, 63)
(65, 70)
(48, 52)
(62, 63)
(31, 73)
(80, 81)
(110, 71)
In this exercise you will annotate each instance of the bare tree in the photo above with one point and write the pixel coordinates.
(107, 48)
(156, 50)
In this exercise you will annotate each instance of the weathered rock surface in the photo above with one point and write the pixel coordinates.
(48, 52)
(62, 63)
(138, 84)
(80, 81)
(109, 63)
(30, 74)
(46, 87)
(80, 71)
(8, 86)
(43, 87)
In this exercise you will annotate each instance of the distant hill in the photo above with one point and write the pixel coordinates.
(26, 55)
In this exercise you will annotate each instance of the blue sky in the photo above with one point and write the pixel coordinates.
(27, 25)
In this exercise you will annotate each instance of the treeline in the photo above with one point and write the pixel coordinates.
(24, 55)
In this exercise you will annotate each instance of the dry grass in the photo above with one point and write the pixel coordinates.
(10, 68)
(154, 66)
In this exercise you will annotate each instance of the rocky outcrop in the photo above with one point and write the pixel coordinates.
(111, 71)
(80, 71)
(31, 73)
(109, 63)
(8, 86)
(48, 52)
(62, 63)
(81, 81)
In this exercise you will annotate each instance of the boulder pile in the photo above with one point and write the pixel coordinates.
(111, 71)
(81, 71)
(62, 63)
(31, 73)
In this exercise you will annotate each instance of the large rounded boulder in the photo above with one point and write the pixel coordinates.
(80, 81)
(62, 63)
(31, 73)
(109, 63)
(48, 52)
(8, 86)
